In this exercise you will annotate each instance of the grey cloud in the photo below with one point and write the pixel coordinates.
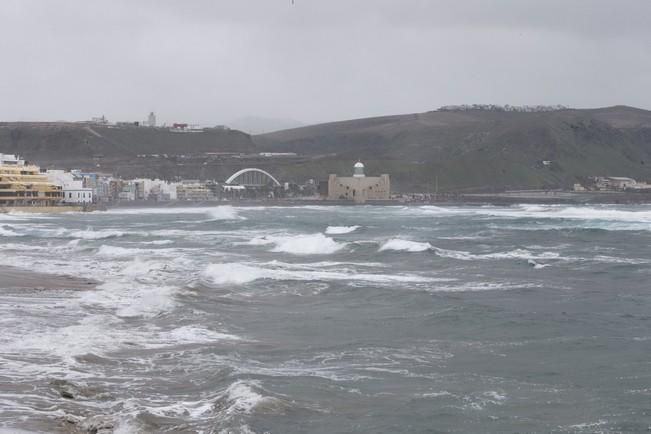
(211, 61)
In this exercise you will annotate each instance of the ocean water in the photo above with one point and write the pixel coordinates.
(521, 319)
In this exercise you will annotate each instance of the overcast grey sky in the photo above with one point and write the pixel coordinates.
(210, 61)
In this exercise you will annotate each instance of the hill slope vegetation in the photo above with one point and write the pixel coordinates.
(481, 149)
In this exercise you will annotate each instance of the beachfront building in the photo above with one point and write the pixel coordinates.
(23, 184)
(194, 190)
(359, 187)
(614, 183)
(72, 186)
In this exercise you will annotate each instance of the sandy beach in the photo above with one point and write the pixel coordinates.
(15, 278)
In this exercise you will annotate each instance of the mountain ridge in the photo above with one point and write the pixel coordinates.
(483, 149)
(454, 150)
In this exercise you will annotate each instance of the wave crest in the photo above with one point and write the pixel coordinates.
(399, 245)
(310, 244)
(223, 212)
(340, 230)
(239, 274)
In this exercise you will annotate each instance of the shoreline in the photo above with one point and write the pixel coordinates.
(530, 197)
(12, 278)
(497, 199)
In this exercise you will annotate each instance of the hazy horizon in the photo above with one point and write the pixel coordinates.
(314, 62)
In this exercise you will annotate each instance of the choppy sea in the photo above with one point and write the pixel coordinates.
(365, 319)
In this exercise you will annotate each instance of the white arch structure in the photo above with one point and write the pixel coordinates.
(255, 180)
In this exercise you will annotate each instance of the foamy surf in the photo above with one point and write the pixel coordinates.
(399, 245)
(240, 274)
(206, 325)
(304, 244)
(8, 231)
(224, 212)
(340, 230)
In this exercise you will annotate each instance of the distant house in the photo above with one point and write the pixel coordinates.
(578, 187)
(614, 183)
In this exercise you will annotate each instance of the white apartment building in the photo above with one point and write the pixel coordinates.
(72, 186)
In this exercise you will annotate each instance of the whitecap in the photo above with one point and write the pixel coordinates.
(119, 252)
(157, 242)
(242, 398)
(90, 234)
(399, 245)
(224, 212)
(8, 231)
(340, 230)
(239, 274)
(536, 265)
(197, 335)
(233, 273)
(304, 244)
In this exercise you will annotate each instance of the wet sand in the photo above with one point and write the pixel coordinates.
(15, 278)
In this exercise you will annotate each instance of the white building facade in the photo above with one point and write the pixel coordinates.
(73, 187)
(359, 187)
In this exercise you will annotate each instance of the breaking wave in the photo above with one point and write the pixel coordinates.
(224, 212)
(605, 213)
(119, 252)
(239, 274)
(340, 230)
(90, 234)
(7, 231)
(242, 397)
(399, 245)
(312, 244)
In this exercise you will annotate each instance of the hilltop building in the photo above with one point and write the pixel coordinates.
(22, 184)
(359, 187)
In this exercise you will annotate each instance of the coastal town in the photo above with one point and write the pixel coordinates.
(28, 186)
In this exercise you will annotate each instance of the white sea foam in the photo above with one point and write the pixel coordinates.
(606, 213)
(607, 217)
(399, 245)
(437, 394)
(92, 334)
(239, 274)
(536, 265)
(233, 273)
(119, 252)
(304, 244)
(90, 234)
(340, 230)
(224, 212)
(483, 286)
(148, 302)
(315, 244)
(517, 254)
(8, 231)
(199, 335)
(431, 209)
(158, 242)
(260, 241)
(242, 397)
(109, 251)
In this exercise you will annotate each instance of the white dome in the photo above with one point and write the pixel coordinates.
(359, 165)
